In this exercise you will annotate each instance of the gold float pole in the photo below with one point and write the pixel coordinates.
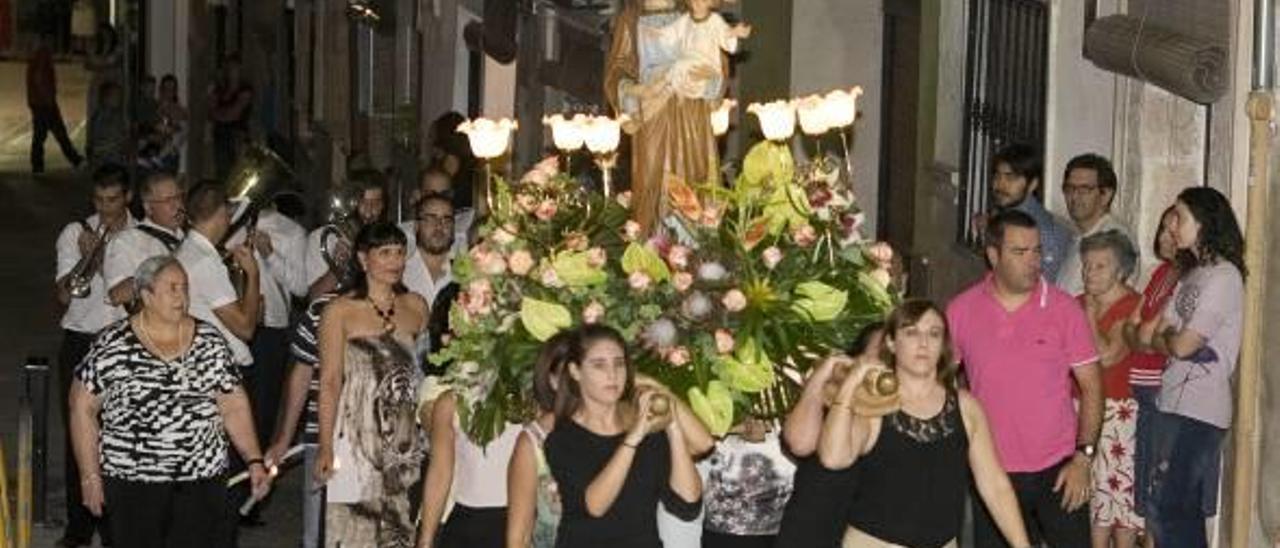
(1260, 108)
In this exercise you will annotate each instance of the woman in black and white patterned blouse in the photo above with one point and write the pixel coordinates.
(168, 395)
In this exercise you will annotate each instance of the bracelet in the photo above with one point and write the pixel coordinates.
(91, 478)
(625, 444)
(254, 461)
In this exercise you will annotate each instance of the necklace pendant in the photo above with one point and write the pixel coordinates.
(388, 326)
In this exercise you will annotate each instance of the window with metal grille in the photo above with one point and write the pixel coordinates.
(1005, 81)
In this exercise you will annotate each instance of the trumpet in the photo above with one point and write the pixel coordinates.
(81, 277)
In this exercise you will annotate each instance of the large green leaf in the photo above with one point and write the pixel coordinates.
(543, 319)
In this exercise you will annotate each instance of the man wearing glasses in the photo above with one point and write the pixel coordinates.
(428, 269)
(1089, 186)
(158, 234)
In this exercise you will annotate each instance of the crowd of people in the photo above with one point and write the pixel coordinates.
(1052, 399)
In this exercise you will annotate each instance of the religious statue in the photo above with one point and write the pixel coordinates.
(665, 71)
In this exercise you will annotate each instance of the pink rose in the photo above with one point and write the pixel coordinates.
(505, 235)
(724, 341)
(576, 241)
(542, 172)
(624, 199)
(804, 235)
(593, 312)
(596, 257)
(546, 210)
(639, 281)
(682, 281)
(631, 231)
(549, 278)
(477, 300)
(881, 253)
(772, 256)
(734, 300)
(678, 257)
(488, 261)
(678, 356)
(520, 262)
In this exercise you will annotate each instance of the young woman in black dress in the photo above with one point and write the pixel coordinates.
(916, 463)
(611, 470)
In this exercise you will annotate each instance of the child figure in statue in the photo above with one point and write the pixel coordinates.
(705, 34)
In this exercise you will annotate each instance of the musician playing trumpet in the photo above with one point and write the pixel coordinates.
(81, 288)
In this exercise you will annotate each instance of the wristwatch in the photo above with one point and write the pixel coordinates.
(1087, 449)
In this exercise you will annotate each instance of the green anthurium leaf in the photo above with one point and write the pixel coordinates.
(642, 258)
(748, 370)
(573, 269)
(767, 163)
(543, 319)
(819, 301)
(787, 206)
(714, 407)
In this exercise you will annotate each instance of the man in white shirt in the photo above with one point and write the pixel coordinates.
(84, 317)
(213, 297)
(158, 234)
(437, 181)
(428, 270)
(1089, 185)
(278, 242)
(370, 207)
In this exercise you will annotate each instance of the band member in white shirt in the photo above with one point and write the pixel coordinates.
(80, 250)
(158, 234)
(213, 297)
(371, 207)
(278, 242)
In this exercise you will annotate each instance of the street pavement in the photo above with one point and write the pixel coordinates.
(32, 211)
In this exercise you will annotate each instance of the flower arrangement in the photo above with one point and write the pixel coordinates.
(740, 292)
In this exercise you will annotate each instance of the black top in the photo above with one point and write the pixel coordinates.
(577, 455)
(912, 485)
(818, 509)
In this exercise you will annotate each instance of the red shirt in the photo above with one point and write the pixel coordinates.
(1147, 367)
(1115, 378)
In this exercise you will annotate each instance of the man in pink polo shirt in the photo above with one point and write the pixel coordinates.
(1022, 342)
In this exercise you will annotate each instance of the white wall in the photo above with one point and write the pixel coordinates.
(837, 43)
(167, 24)
(1081, 99)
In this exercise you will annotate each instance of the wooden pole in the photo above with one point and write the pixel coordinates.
(1261, 107)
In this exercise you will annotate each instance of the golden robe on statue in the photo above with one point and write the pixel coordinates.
(669, 94)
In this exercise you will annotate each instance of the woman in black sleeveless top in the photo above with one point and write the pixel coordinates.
(915, 463)
(815, 513)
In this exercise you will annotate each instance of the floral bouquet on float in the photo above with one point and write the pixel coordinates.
(740, 292)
